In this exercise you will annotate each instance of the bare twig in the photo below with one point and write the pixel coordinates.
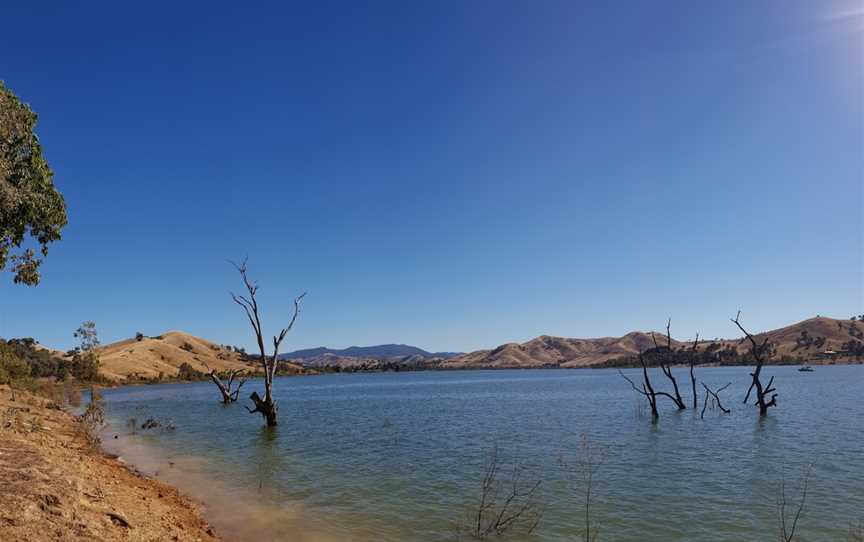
(785, 529)
(503, 507)
(581, 476)
(716, 396)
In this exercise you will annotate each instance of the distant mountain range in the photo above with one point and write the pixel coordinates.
(380, 352)
(811, 340)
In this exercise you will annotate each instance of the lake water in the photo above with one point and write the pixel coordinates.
(400, 456)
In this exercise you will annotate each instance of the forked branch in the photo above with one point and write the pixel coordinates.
(503, 508)
(266, 406)
(758, 351)
(716, 395)
(226, 387)
(787, 526)
(664, 356)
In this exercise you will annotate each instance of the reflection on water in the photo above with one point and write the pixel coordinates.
(398, 456)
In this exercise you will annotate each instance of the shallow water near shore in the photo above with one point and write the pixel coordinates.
(399, 456)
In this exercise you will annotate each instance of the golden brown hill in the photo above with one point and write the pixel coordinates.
(559, 351)
(808, 340)
(152, 356)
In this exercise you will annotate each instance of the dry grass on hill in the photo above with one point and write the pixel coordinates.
(807, 340)
(559, 351)
(152, 356)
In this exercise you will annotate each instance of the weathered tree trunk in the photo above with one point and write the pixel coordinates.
(758, 352)
(226, 395)
(692, 376)
(229, 394)
(666, 368)
(267, 406)
(647, 389)
(716, 394)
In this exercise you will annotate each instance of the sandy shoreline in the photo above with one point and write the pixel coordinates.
(53, 488)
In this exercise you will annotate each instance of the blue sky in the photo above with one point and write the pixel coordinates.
(453, 175)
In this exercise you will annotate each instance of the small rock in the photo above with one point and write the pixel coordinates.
(119, 520)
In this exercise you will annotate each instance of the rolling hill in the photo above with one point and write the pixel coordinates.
(812, 340)
(546, 351)
(807, 341)
(164, 354)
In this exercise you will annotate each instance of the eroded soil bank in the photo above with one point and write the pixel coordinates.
(53, 486)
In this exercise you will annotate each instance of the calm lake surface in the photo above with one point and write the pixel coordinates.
(398, 456)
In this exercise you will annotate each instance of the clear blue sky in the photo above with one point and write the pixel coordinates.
(451, 174)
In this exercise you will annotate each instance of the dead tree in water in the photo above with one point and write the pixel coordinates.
(226, 387)
(664, 359)
(716, 394)
(758, 352)
(647, 389)
(267, 406)
(693, 354)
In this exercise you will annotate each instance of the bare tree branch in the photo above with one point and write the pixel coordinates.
(786, 531)
(716, 396)
(664, 357)
(267, 405)
(517, 510)
(758, 351)
(693, 353)
(581, 477)
(229, 395)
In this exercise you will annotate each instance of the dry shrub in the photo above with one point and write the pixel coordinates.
(36, 425)
(92, 421)
(51, 391)
(506, 506)
(581, 476)
(72, 395)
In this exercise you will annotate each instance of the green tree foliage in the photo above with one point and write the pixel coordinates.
(12, 367)
(24, 359)
(41, 362)
(88, 336)
(85, 362)
(30, 205)
(85, 366)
